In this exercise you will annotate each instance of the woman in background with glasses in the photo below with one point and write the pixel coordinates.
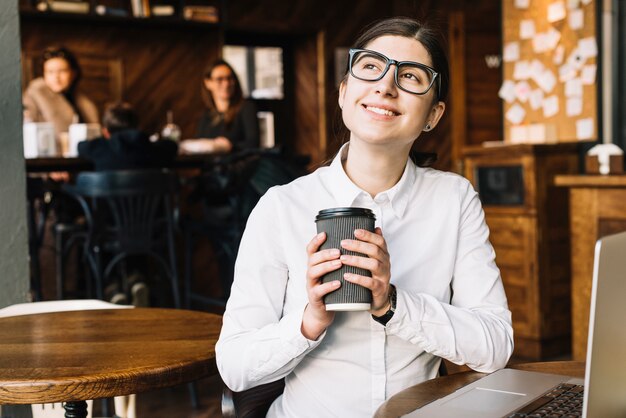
(437, 292)
(54, 97)
(229, 122)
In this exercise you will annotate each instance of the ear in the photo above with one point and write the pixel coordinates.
(435, 114)
(342, 94)
(207, 83)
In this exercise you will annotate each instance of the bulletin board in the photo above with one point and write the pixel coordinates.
(550, 68)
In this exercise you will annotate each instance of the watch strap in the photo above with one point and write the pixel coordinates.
(386, 317)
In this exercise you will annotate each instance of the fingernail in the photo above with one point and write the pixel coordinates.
(358, 232)
(335, 252)
(343, 257)
(320, 235)
(336, 283)
(336, 263)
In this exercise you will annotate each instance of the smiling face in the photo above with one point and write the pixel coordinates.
(221, 84)
(378, 112)
(57, 74)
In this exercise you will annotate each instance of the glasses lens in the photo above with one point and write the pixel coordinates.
(368, 66)
(414, 78)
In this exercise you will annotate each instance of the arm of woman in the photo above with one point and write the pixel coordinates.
(475, 327)
(259, 341)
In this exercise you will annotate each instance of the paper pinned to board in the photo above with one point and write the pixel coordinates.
(526, 29)
(559, 53)
(552, 38)
(522, 91)
(546, 81)
(576, 19)
(584, 128)
(522, 4)
(574, 106)
(588, 74)
(567, 72)
(511, 52)
(573, 4)
(536, 69)
(574, 88)
(521, 70)
(535, 99)
(507, 91)
(540, 42)
(588, 47)
(576, 59)
(556, 11)
(550, 106)
(586, 2)
(515, 114)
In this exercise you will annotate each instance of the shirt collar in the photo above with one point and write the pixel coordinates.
(346, 192)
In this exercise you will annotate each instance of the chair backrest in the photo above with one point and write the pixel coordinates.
(251, 403)
(131, 208)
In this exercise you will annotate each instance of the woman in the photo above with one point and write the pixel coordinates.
(54, 97)
(229, 122)
(437, 292)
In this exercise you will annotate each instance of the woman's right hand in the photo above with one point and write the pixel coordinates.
(316, 318)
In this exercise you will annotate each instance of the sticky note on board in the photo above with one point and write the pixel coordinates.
(588, 47)
(535, 99)
(567, 72)
(515, 114)
(574, 106)
(576, 19)
(507, 91)
(521, 70)
(574, 88)
(522, 4)
(540, 42)
(519, 134)
(586, 2)
(511, 52)
(522, 91)
(526, 29)
(573, 4)
(552, 38)
(588, 74)
(556, 11)
(559, 53)
(546, 81)
(584, 128)
(550, 106)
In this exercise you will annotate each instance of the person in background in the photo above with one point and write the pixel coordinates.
(229, 122)
(436, 290)
(123, 146)
(55, 97)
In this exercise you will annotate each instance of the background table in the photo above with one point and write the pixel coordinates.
(419, 395)
(79, 355)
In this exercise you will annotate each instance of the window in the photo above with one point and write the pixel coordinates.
(260, 70)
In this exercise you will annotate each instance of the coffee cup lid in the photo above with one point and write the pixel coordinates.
(348, 211)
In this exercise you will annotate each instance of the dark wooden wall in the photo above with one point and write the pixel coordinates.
(163, 63)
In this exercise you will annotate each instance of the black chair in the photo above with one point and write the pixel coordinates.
(128, 213)
(226, 199)
(38, 205)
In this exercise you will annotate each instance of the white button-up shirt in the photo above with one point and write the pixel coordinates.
(450, 301)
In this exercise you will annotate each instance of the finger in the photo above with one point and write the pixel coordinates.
(366, 263)
(318, 292)
(314, 273)
(376, 286)
(324, 255)
(375, 238)
(371, 250)
(314, 245)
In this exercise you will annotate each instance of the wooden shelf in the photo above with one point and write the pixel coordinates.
(164, 22)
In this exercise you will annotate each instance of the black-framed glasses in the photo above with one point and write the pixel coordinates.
(412, 77)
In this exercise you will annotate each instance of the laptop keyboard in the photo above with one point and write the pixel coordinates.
(564, 400)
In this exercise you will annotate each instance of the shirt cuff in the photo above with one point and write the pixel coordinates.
(291, 334)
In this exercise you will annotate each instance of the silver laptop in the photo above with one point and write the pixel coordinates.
(507, 391)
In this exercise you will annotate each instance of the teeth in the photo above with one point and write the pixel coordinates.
(381, 111)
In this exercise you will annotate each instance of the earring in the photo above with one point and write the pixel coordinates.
(427, 127)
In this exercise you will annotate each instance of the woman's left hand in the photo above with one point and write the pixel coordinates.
(377, 262)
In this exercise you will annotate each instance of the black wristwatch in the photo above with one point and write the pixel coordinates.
(384, 318)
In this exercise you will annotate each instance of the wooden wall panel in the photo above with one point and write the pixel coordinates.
(161, 66)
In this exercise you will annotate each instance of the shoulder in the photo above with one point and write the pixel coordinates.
(443, 181)
(88, 107)
(38, 90)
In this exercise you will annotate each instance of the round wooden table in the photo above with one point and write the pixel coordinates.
(419, 395)
(79, 355)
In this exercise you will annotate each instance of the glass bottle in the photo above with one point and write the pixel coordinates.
(171, 131)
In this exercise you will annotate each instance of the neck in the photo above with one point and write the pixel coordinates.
(221, 105)
(375, 169)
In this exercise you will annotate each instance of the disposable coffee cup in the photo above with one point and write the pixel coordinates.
(339, 224)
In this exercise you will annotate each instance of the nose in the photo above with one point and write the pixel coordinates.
(387, 85)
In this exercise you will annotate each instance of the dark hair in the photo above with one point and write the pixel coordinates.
(424, 34)
(119, 116)
(64, 53)
(236, 100)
